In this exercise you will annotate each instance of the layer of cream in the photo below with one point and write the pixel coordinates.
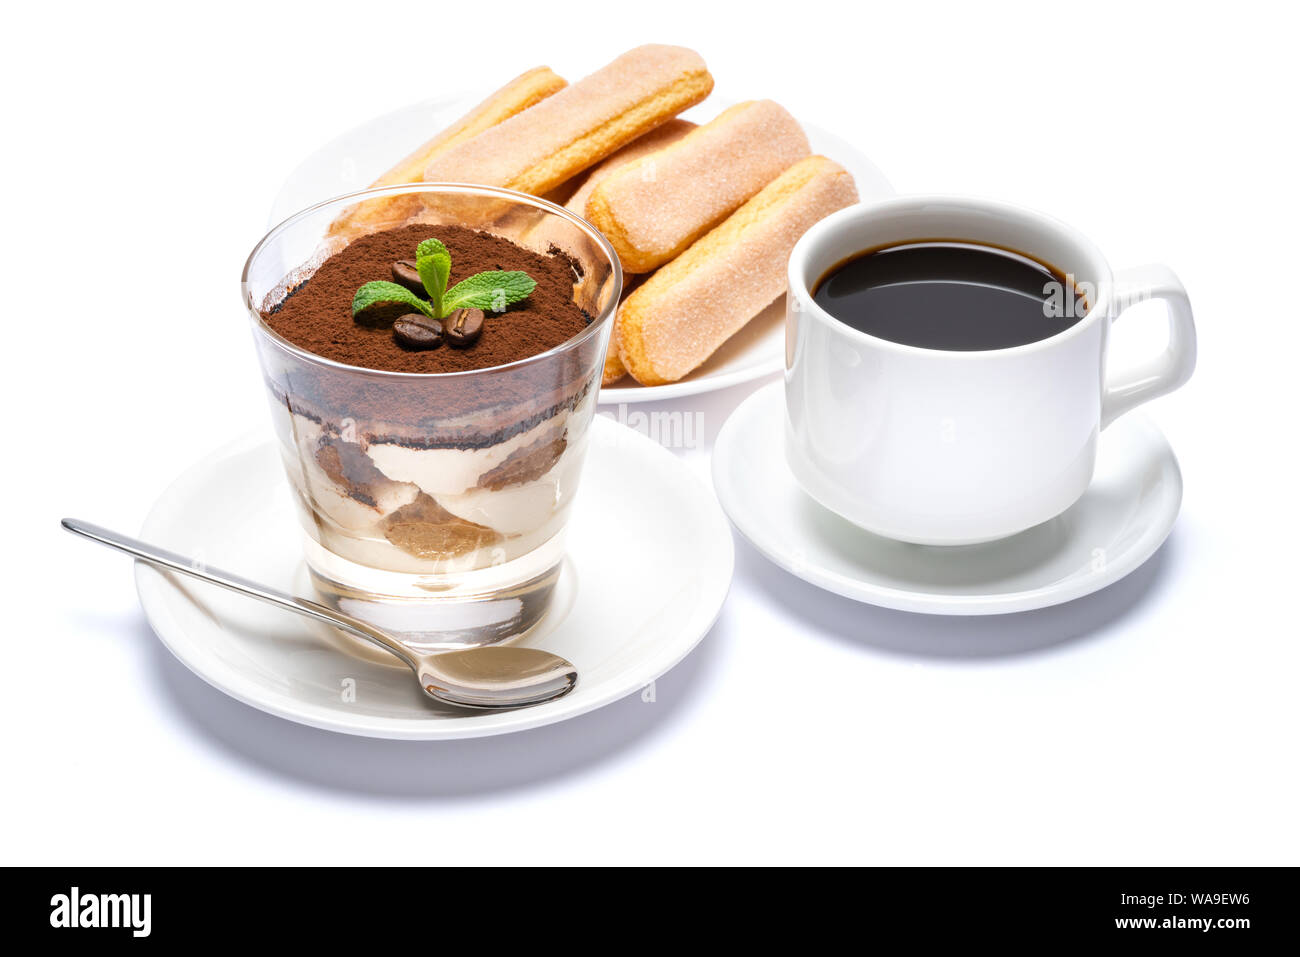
(521, 517)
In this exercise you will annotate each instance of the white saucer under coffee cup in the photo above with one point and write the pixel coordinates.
(944, 447)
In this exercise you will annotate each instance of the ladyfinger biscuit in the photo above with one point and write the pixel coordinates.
(653, 209)
(682, 313)
(550, 230)
(642, 146)
(515, 97)
(537, 150)
(519, 94)
(614, 369)
(650, 143)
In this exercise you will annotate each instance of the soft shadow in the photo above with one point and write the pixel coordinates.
(953, 566)
(413, 770)
(956, 637)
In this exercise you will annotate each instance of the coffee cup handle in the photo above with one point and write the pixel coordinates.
(1171, 368)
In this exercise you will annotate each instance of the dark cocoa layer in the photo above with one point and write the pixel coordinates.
(432, 409)
(486, 428)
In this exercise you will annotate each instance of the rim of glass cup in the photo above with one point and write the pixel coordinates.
(507, 194)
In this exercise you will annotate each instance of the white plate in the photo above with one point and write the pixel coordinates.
(629, 605)
(1121, 520)
(354, 160)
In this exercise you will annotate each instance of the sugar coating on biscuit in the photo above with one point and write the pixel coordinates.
(687, 309)
(548, 231)
(565, 133)
(653, 209)
(642, 146)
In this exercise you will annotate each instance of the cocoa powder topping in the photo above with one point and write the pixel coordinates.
(317, 315)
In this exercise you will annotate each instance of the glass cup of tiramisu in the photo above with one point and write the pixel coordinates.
(434, 438)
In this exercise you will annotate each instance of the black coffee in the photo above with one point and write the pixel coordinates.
(948, 295)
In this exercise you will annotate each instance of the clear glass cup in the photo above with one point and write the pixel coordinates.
(434, 504)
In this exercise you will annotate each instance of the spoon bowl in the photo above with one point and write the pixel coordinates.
(487, 677)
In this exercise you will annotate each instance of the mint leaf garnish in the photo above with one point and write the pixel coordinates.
(492, 290)
(433, 263)
(430, 247)
(374, 293)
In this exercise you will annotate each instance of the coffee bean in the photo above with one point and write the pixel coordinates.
(417, 331)
(463, 327)
(405, 274)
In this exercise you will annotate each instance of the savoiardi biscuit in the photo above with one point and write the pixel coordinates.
(539, 149)
(651, 210)
(692, 305)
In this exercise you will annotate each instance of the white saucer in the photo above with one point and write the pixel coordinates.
(650, 562)
(1122, 519)
(353, 161)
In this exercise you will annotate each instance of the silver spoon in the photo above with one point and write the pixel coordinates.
(492, 678)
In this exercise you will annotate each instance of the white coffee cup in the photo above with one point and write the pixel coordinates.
(951, 448)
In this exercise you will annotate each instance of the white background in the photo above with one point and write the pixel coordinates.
(1153, 723)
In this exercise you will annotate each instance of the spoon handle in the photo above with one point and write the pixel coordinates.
(237, 583)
